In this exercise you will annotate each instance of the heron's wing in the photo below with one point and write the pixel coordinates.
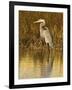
(48, 37)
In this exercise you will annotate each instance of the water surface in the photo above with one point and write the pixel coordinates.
(40, 63)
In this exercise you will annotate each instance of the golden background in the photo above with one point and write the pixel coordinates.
(33, 56)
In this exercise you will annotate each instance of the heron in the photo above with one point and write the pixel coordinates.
(45, 33)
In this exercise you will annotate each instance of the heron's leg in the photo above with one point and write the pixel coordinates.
(48, 51)
(48, 48)
(51, 58)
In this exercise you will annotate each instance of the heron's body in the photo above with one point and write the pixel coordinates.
(45, 33)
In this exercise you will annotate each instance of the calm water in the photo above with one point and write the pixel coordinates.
(40, 63)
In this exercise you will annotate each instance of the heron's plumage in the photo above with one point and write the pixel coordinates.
(45, 33)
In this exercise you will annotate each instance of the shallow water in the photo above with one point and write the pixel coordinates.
(40, 63)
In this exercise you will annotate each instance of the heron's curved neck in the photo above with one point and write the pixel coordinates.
(41, 29)
(42, 24)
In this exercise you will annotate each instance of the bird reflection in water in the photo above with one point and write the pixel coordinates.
(39, 64)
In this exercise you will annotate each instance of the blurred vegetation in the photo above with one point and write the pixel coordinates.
(29, 35)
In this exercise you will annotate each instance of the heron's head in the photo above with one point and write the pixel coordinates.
(40, 21)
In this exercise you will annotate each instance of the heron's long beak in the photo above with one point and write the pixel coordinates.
(37, 21)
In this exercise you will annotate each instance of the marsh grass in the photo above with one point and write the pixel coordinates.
(29, 35)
